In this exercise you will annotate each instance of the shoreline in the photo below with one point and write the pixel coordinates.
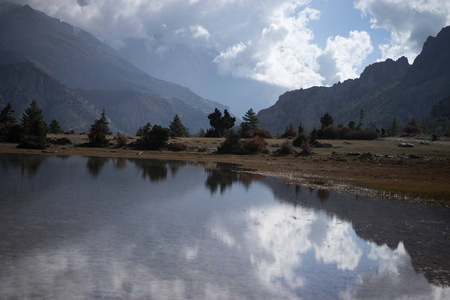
(419, 174)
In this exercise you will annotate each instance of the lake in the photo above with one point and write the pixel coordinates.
(74, 227)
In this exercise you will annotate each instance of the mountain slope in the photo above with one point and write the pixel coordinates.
(79, 60)
(384, 90)
(22, 83)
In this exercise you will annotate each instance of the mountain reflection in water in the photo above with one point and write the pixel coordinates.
(86, 227)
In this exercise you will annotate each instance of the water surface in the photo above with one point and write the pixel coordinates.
(77, 227)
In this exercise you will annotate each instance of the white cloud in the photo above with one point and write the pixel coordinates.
(343, 56)
(409, 22)
(284, 55)
(199, 31)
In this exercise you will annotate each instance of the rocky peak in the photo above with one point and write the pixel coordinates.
(386, 72)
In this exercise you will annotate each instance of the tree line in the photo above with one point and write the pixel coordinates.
(247, 138)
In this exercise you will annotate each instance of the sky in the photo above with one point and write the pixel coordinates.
(245, 53)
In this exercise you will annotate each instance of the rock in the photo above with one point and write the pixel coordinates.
(325, 145)
(406, 145)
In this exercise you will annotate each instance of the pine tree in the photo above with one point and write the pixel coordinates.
(251, 119)
(6, 118)
(98, 132)
(34, 128)
(393, 129)
(55, 128)
(177, 129)
(7, 121)
(326, 120)
(362, 114)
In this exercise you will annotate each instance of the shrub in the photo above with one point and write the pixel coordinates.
(286, 148)
(258, 132)
(153, 138)
(412, 127)
(177, 147)
(307, 148)
(364, 135)
(121, 139)
(255, 144)
(33, 142)
(330, 132)
(232, 144)
(289, 133)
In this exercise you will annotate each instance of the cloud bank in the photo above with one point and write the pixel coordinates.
(266, 41)
(409, 23)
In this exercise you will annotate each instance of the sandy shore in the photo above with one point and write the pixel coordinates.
(376, 167)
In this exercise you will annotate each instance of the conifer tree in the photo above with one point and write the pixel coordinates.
(394, 128)
(98, 132)
(177, 129)
(7, 121)
(34, 128)
(251, 119)
(55, 128)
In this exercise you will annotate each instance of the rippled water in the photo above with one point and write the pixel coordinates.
(99, 228)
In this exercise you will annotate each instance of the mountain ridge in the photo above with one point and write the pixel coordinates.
(384, 90)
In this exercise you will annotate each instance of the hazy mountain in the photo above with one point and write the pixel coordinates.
(22, 83)
(79, 60)
(384, 90)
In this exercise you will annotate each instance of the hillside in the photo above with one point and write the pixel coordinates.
(80, 61)
(22, 83)
(384, 90)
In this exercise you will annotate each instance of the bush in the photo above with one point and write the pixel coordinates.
(255, 145)
(153, 138)
(331, 132)
(412, 127)
(364, 135)
(232, 144)
(307, 148)
(289, 133)
(286, 148)
(33, 142)
(121, 139)
(258, 132)
(177, 147)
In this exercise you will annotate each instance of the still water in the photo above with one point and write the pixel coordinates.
(77, 227)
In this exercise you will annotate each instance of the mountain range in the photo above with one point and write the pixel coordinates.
(73, 76)
(384, 90)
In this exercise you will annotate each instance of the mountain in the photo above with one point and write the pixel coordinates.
(384, 90)
(82, 62)
(22, 83)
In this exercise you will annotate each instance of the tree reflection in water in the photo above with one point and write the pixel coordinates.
(95, 164)
(29, 163)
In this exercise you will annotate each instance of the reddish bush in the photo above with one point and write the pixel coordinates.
(177, 147)
(330, 132)
(258, 132)
(121, 139)
(364, 135)
(255, 144)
